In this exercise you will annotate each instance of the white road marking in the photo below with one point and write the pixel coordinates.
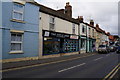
(98, 58)
(71, 67)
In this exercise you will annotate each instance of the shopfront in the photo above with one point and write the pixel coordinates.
(55, 43)
(83, 45)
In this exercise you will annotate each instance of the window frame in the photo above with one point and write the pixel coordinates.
(83, 29)
(83, 44)
(53, 23)
(73, 28)
(89, 31)
(93, 32)
(18, 12)
(16, 42)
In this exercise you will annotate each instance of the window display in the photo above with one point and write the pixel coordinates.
(70, 45)
(51, 46)
(83, 44)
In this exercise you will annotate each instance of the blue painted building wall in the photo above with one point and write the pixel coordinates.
(30, 28)
(0, 29)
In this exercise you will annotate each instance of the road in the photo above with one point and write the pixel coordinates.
(94, 66)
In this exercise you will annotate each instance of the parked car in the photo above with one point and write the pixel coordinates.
(112, 48)
(103, 49)
(118, 50)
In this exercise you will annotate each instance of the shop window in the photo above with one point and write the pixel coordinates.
(52, 23)
(18, 10)
(83, 44)
(70, 45)
(51, 45)
(16, 41)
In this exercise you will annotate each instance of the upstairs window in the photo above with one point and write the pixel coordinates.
(18, 10)
(93, 32)
(89, 31)
(52, 23)
(73, 28)
(83, 29)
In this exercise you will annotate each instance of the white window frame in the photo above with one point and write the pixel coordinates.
(19, 12)
(89, 31)
(73, 28)
(53, 23)
(83, 26)
(93, 32)
(21, 42)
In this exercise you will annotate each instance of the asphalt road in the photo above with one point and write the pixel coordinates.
(95, 66)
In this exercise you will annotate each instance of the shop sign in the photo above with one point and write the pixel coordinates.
(59, 35)
(46, 33)
(73, 37)
(56, 34)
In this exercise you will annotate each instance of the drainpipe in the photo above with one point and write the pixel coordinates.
(86, 38)
(79, 37)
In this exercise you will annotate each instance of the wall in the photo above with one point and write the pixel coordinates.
(60, 24)
(98, 39)
(0, 43)
(30, 28)
(65, 26)
(0, 29)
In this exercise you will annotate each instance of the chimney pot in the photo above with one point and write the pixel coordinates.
(80, 18)
(68, 9)
(67, 3)
(91, 22)
(97, 25)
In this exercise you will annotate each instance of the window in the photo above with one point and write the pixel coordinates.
(89, 31)
(73, 29)
(52, 23)
(16, 41)
(51, 46)
(83, 29)
(83, 44)
(93, 32)
(70, 45)
(18, 10)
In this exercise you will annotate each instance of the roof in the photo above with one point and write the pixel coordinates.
(89, 25)
(55, 13)
(58, 14)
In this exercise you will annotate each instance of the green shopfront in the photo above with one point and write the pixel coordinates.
(56, 42)
(91, 45)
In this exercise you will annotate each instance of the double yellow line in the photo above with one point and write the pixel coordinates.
(112, 73)
(35, 65)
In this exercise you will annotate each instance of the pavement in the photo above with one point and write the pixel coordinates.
(10, 65)
(90, 66)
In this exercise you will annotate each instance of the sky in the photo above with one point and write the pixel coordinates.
(103, 12)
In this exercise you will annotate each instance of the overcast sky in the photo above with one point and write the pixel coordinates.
(103, 12)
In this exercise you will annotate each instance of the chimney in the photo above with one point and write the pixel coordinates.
(80, 18)
(92, 23)
(108, 33)
(68, 9)
(97, 26)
